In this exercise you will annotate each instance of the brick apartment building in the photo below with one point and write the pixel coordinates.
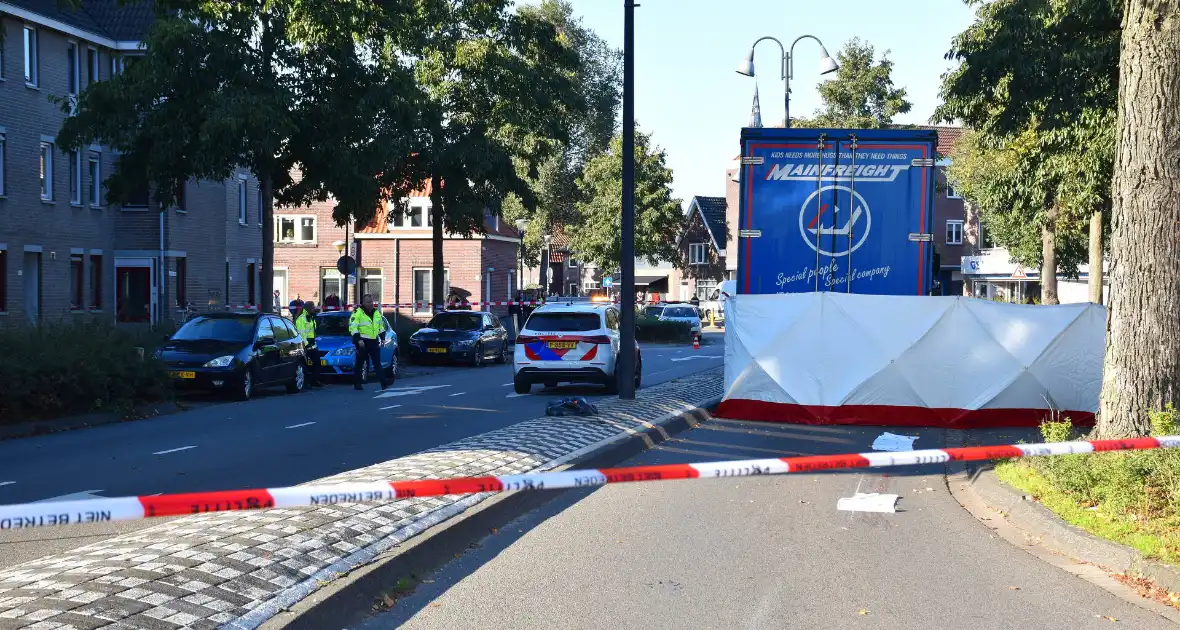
(65, 252)
(395, 258)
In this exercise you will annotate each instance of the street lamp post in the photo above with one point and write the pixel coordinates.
(626, 365)
(521, 224)
(827, 65)
(545, 266)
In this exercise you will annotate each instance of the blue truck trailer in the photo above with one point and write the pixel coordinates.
(848, 210)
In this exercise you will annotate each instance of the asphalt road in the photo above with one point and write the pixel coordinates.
(767, 552)
(280, 439)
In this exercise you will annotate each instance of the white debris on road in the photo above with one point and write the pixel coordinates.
(892, 442)
(872, 502)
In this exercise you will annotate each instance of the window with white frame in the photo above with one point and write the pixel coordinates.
(76, 178)
(424, 287)
(951, 193)
(419, 217)
(73, 68)
(94, 175)
(372, 283)
(242, 199)
(697, 253)
(91, 66)
(295, 229)
(590, 284)
(705, 288)
(331, 284)
(47, 171)
(573, 262)
(954, 232)
(3, 160)
(118, 64)
(31, 62)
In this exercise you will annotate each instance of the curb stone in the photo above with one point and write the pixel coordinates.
(241, 568)
(1040, 522)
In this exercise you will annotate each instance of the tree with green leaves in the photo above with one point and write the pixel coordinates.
(1142, 368)
(1039, 78)
(658, 217)
(591, 127)
(500, 87)
(862, 95)
(273, 86)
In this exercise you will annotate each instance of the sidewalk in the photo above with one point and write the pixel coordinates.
(242, 568)
(762, 552)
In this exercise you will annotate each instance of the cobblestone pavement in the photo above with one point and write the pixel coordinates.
(239, 569)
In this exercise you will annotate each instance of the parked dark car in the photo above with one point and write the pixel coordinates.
(235, 353)
(467, 336)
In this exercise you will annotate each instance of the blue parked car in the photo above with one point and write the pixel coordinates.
(333, 340)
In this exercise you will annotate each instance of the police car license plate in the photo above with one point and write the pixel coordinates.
(323, 361)
(184, 374)
(562, 345)
(437, 350)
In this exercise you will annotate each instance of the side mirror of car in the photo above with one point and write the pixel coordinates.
(265, 341)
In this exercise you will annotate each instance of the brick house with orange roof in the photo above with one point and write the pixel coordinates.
(395, 258)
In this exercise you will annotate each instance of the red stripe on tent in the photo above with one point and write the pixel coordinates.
(200, 502)
(437, 487)
(649, 473)
(1123, 445)
(825, 462)
(891, 415)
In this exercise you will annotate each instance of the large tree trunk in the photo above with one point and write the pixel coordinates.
(438, 276)
(267, 275)
(1096, 257)
(1049, 260)
(1142, 367)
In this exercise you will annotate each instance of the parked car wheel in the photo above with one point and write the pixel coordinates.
(477, 356)
(521, 386)
(391, 371)
(246, 387)
(502, 358)
(295, 385)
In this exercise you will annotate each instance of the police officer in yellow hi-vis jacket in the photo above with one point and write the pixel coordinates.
(368, 330)
(305, 324)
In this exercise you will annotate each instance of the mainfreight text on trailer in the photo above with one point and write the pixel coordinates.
(820, 206)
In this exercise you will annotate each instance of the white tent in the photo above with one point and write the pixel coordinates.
(838, 358)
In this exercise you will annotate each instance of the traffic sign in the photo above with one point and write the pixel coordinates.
(346, 265)
(608, 281)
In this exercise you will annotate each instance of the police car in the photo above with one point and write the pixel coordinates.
(570, 343)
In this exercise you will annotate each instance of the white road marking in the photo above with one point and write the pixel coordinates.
(390, 407)
(6, 483)
(697, 356)
(459, 394)
(173, 450)
(515, 395)
(296, 426)
(85, 495)
(408, 391)
(506, 385)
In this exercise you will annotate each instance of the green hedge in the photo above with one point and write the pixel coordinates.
(66, 368)
(652, 329)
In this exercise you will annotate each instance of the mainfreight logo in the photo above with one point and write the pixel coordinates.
(835, 221)
(836, 172)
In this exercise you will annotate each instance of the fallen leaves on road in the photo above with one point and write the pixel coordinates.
(435, 604)
(863, 611)
(388, 601)
(1106, 617)
(1149, 589)
(1014, 588)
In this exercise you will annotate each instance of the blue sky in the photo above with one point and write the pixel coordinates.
(689, 96)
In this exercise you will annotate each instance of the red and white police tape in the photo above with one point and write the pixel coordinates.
(31, 515)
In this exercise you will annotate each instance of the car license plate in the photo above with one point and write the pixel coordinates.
(184, 374)
(563, 345)
(323, 361)
(437, 350)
